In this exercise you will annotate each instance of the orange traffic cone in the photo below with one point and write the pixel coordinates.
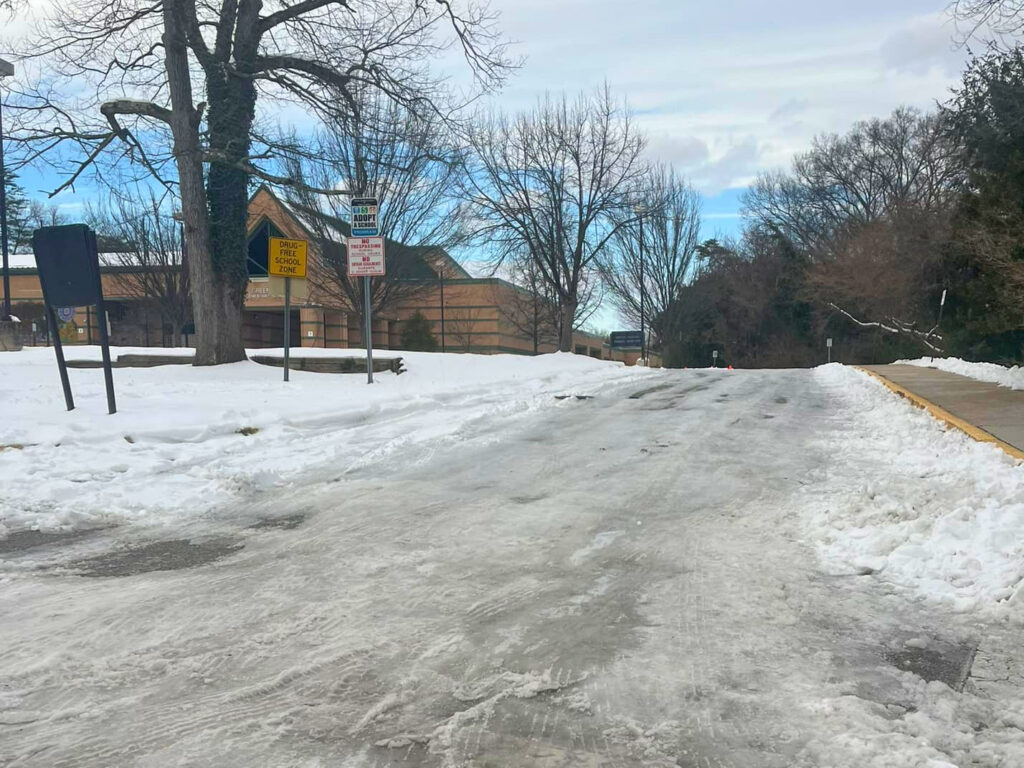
(730, 367)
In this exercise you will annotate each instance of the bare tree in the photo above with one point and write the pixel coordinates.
(123, 75)
(889, 277)
(552, 182)
(460, 324)
(999, 16)
(411, 162)
(870, 210)
(844, 183)
(149, 250)
(531, 308)
(38, 214)
(670, 210)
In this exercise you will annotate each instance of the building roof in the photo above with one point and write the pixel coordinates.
(111, 260)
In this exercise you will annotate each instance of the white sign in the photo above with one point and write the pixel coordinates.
(828, 342)
(365, 256)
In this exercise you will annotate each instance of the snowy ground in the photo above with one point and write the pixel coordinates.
(996, 374)
(176, 447)
(728, 569)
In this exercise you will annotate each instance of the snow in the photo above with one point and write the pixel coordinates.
(28, 260)
(176, 448)
(913, 503)
(483, 594)
(990, 372)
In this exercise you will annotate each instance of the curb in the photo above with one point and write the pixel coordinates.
(977, 433)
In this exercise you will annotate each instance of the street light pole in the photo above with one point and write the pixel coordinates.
(6, 70)
(440, 274)
(643, 291)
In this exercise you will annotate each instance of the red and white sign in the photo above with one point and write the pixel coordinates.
(365, 256)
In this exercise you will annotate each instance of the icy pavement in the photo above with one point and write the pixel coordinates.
(627, 580)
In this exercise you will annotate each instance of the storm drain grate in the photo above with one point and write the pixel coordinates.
(949, 663)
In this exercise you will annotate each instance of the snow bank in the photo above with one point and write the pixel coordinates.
(913, 503)
(996, 374)
(186, 439)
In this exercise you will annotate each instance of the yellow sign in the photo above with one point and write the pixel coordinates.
(286, 258)
(275, 288)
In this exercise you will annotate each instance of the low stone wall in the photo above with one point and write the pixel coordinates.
(134, 361)
(332, 364)
(312, 364)
(10, 336)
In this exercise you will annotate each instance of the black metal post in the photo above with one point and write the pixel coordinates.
(3, 221)
(62, 366)
(441, 274)
(643, 295)
(536, 324)
(108, 376)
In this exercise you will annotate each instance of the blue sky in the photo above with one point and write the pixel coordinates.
(728, 89)
(725, 90)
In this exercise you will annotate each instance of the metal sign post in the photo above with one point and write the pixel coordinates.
(368, 314)
(287, 259)
(366, 260)
(828, 343)
(287, 322)
(69, 274)
(714, 359)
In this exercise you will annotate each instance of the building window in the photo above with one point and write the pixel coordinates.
(259, 249)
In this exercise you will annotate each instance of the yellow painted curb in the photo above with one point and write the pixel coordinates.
(942, 414)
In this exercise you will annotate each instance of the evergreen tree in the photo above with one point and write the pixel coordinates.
(417, 335)
(985, 273)
(19, 234)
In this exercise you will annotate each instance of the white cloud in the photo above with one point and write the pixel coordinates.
(726, 90)
(921, 44)
(789, 109)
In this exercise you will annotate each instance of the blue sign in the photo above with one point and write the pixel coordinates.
(364, 217)
(627, 340)
(65, 314)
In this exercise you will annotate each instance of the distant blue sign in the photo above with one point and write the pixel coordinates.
(65, 314)
(627, 340)
(364, 217)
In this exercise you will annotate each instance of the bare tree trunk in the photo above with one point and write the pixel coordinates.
(566, 318)
(215, 301)
(536, 326)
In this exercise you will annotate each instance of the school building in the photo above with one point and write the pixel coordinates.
(467, 314)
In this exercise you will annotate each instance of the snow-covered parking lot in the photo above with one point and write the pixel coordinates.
(461, 566)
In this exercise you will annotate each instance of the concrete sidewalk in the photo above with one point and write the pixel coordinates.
(995, 410)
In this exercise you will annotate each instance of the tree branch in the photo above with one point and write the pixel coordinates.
(898, 328)
(294, 11)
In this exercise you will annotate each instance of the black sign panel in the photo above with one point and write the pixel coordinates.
(69, 273)
(627, 340)
(68, 265)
